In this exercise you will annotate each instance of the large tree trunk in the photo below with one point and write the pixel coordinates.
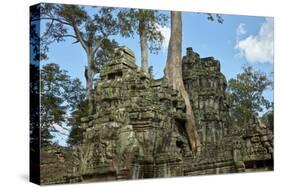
(90, 74)
(143, 46)
(173, 73)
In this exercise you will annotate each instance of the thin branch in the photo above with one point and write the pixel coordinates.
(104, 34)
(68, 35)
(100, 41)
(98, 45)
(79, 36)
(75, 42)
(48, 29)
(55, 19)
(73, 25)
(72, 36)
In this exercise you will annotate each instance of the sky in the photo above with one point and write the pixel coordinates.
(239, 40)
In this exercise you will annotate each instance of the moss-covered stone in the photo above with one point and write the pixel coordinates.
(137, 128)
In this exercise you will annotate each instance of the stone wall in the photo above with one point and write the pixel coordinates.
(56, 166)
(226, 147)
(206, 86)
(137, 128)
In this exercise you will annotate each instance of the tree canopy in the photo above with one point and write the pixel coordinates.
(76, 132)
(60, 95)
(246, 93)
(92, 32)
(146, 24)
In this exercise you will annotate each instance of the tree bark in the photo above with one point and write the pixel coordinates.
(173, 74)
(89, 83)
(143, 46)
(90, 73)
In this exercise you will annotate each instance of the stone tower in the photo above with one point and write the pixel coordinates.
(137, 129)
(206, 86)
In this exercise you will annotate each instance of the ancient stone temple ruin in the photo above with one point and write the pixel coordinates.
(137, 131)
(137, 128)
(206, 86)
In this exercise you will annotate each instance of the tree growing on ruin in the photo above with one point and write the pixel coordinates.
(146, 24)
(173, 74)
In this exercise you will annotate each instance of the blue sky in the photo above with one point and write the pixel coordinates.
(205, 37)
(239, 40)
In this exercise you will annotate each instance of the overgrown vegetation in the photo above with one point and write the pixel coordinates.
(64, 100)
(246, 94)
(61, 96)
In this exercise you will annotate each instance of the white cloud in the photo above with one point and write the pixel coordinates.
(240, 31)
(166, 32)
(256, 48)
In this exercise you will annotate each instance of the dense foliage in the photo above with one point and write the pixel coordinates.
(60, 96)
(147, 25)
(246, 93)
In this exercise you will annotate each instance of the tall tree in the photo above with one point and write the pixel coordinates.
(146, 24)
(246, 94)
(91, 32)
(173, 73)
(59, 96)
